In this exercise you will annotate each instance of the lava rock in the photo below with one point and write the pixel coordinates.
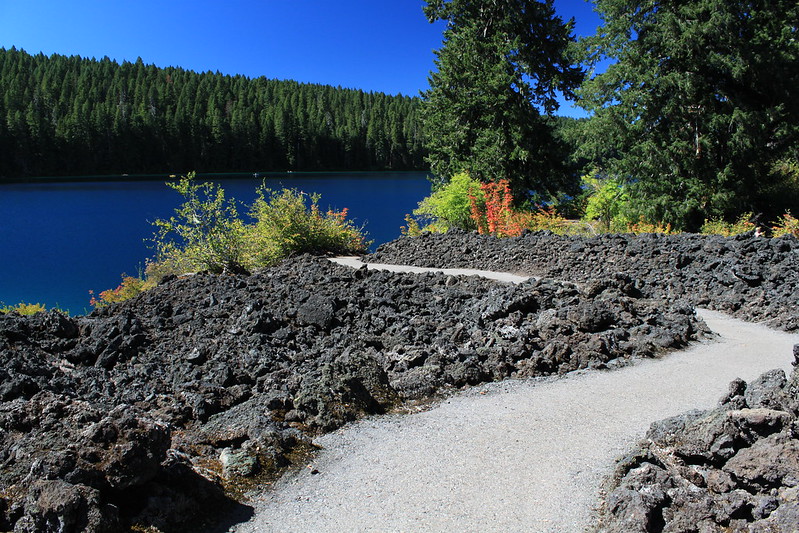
(732, 468)
(751, 277)
(137, 401)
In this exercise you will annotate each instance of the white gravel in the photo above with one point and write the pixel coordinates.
(512, 456)
(507, 277)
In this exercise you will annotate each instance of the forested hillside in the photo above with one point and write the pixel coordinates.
(64, 115)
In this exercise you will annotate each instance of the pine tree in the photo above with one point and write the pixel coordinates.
(501, 66)
(701, 104)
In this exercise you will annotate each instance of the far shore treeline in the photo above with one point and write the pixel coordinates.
(62, 116)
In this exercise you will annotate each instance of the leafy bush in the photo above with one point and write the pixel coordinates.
(23, 308)
(289, 222)
(717, 226)
(449, 205)
(786, 225)
(130, 287)
(494, 213)
(463, 202)
(608, 201)
(205, 233)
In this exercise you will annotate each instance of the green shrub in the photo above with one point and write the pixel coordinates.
(289, 222)
(717, 226)
(608, 201)
(450, 205)
(205, 233)
(23, 308)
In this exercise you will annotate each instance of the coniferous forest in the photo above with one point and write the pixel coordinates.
(693, 116)
(62, 116)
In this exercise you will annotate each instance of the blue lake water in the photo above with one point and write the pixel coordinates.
(58, 240)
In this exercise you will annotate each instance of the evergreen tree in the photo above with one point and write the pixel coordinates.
(700, 106)
(70, 116)
(501, 64)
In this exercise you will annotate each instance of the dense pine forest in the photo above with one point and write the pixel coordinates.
(62, 116)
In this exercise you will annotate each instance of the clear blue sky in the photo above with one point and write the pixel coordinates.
(374, 45)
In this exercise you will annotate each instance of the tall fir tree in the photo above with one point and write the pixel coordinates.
(700, 107)
(500, 68)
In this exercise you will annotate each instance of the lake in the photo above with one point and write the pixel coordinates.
(59, 240)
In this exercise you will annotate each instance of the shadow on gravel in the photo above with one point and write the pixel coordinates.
(238, 514)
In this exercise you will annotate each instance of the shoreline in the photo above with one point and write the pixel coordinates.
(261, 174)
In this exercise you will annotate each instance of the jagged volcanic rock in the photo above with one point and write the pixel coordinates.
(142, 412)
(750, 277)
(733, 468)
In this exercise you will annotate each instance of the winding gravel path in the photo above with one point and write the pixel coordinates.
(511, 456)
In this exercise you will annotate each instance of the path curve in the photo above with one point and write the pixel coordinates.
(511, 456)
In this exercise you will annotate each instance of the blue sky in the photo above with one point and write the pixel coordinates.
(374, 45)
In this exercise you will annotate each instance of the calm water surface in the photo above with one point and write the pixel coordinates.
(60, 240)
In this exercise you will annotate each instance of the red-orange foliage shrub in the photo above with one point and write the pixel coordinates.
(129, 288)
(497, 216)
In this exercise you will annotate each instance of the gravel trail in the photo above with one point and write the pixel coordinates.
(510, 456)
(506, 277)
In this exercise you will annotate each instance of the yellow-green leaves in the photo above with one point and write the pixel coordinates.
(449, 205)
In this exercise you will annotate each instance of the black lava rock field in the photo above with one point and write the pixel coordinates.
(731, 469)
(749, 277)
(159, 412)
